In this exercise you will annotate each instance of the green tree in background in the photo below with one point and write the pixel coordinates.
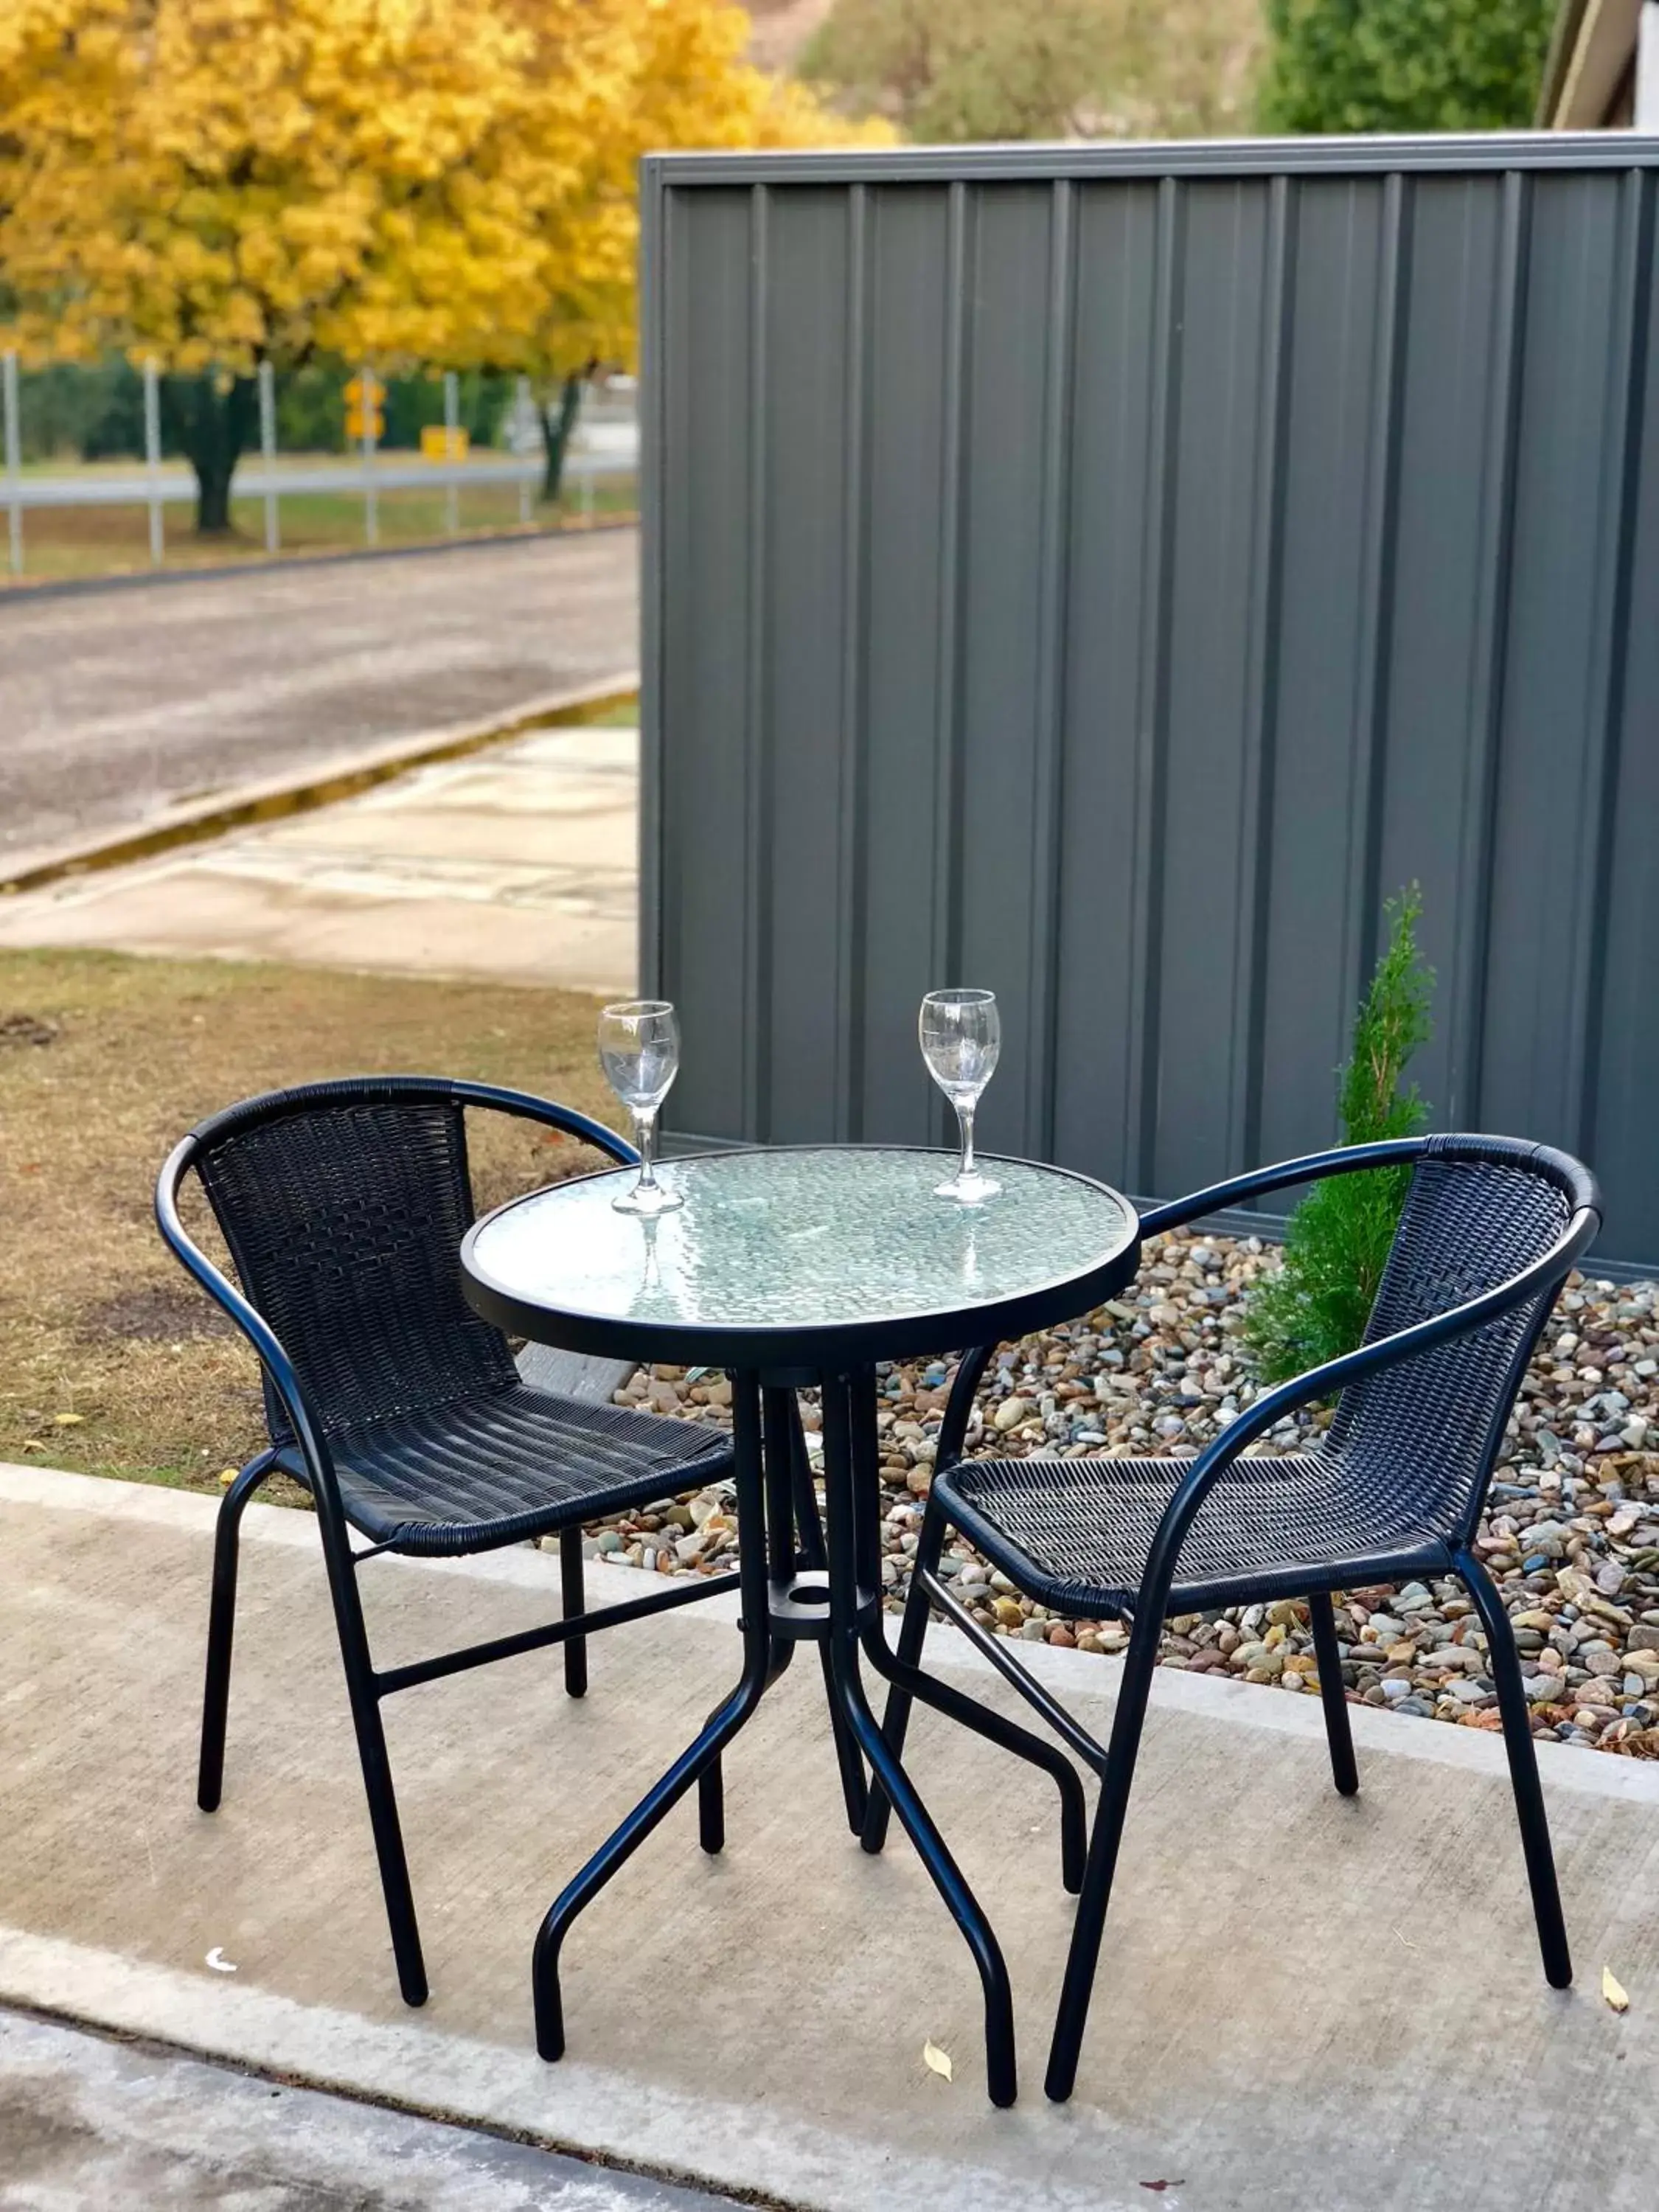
(1347, 65)
(1315, 1306)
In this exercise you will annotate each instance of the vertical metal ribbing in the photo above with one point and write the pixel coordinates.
(653, 451)
(1256, 824)
(1153, 696)
(851, 871)
(1472, 919)
(1628, 368)
(1374, 660)
(1047, 765)
(756, 782)
(947, 730)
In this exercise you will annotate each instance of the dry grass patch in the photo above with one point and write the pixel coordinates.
(111, 1361)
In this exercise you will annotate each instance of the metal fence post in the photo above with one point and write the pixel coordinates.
(524, 405)
(371, 393)
(14, 459)
(153, 461)
(451, 426)
(268, 452)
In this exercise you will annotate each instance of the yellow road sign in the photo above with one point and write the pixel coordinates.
(438, 444)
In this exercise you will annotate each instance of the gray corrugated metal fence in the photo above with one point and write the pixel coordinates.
(1104, 574)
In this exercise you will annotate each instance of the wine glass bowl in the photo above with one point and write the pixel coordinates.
(639, 1053)
(961, 1036)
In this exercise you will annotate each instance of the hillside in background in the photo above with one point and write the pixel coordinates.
(783, 28)
(959, 69)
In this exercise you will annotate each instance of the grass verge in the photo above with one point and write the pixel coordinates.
(65, 544)
(111, 1362)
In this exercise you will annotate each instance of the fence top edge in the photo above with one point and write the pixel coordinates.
(1425, 154)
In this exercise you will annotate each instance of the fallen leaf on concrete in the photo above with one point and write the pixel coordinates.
(69, 1420)
(1613, 1992)
(217, 1960)
(936, 2061)
(1161, 2185)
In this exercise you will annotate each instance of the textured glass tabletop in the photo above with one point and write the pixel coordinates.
(799, 1239)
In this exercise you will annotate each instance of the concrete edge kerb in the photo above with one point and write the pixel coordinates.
(1573, 1768)
(272, 799)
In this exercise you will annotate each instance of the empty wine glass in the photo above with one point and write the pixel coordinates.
(639, 1053)
(961, 1034)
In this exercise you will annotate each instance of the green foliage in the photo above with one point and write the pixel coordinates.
(1315, 1308)
(950, 71)
(1343, 65)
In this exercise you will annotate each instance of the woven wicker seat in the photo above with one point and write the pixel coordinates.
(343, 1205)
(1077, 1533)
(1394, 1488)
(515, 1463)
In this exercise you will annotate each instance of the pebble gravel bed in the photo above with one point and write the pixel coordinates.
(1571, 1534)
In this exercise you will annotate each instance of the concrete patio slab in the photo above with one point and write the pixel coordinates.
(521, 865)
(88, 2125)
(1302, 2000)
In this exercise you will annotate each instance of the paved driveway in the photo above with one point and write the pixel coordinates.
(115, 704)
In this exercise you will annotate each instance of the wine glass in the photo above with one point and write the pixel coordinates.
(639, 1053)
(961, 1034)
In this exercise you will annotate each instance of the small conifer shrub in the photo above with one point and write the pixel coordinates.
(1314, 1306)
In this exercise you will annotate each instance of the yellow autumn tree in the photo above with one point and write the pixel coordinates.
(211, 184)
(688, 85)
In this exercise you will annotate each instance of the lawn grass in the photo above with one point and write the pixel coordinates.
(65, 543)
(111, 1362)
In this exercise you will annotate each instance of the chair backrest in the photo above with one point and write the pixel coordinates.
(344, 1206)
(1423, 1435)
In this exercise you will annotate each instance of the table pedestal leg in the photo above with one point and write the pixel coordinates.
(699, 1762)
(849, 1607)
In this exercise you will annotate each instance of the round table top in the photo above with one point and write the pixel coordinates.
(819, 1255)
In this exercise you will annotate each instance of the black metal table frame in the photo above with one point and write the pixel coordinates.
(801, 1580)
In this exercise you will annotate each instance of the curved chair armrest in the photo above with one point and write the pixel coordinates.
(964, 1386)
(528, 1108)
(295, 1400)
(970, 1368)
(1545, 1272)
(1344, 1159)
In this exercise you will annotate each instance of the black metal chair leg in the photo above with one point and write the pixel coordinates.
(222, 1624)
(1084, 1956)
(711, 1781)
(572, 1602)
(912, 1633)
(1001, 2071)
(1338, 1732)
(362, 1690)
(1524, 1769)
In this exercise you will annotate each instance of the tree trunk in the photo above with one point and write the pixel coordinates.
(211, 423)
(558, 425)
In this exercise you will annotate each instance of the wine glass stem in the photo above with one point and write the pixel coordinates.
(965, 1124)
(645, 1136)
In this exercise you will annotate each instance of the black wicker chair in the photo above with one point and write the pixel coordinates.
(1392, 1489)
(343, 1204)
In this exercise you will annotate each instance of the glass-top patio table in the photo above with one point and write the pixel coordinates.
(791, 1267)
